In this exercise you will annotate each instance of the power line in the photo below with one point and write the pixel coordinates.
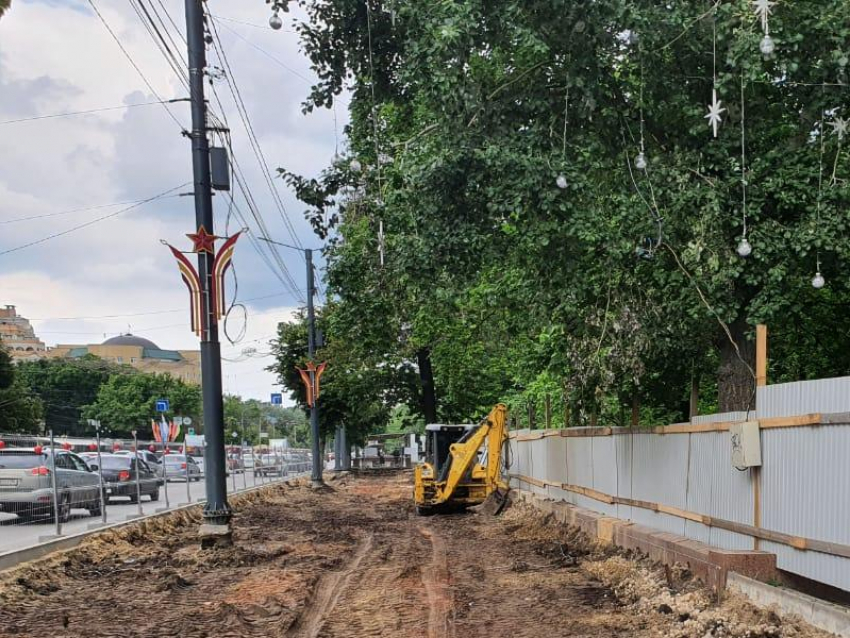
(74, 210)
(255, 144)
(156, 34)
(249, 24)
(92, 222)
(135, 66)
(144, 314)
(89, 111)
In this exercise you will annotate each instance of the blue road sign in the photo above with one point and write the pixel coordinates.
(162, 405)
(277, 399)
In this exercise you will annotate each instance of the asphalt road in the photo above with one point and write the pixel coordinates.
(15, 535)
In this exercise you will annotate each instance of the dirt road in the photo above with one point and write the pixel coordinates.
(355, 561)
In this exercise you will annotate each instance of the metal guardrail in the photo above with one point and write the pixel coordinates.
(63, 481)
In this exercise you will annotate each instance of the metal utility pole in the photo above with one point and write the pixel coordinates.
(311, 349)
(217, 512)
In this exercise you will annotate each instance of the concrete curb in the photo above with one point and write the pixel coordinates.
(15, 557)
(816, 612)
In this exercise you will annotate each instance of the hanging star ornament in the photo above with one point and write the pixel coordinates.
(839, 127)
(714, 111)
(203, 242)
(763, 9)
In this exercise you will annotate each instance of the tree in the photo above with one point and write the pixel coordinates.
(20, 410)
(66, 387)
(4, 6)
(510, 282)
(127, 402)
(250, 418)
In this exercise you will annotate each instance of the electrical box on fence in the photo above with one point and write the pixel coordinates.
(746, 444)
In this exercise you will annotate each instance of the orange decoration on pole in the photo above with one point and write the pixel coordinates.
(310, 378)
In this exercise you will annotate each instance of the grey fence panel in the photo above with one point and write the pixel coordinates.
(804, 493)
(624, 457)
(604, 469)
(538, 463)
(579, 458)
(556, 459)
(660, 467)
(823, 396)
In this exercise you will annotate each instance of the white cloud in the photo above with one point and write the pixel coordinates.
(58, 57)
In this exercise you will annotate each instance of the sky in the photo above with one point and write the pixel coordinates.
(114, 275)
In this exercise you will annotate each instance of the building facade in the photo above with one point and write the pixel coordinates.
(140, 353)
(18, 336)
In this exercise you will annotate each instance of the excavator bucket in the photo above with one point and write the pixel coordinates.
(496, 503)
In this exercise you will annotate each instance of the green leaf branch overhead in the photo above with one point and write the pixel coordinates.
(494, 142)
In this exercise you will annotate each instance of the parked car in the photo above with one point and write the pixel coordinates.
(235, 463)
(26, 483)
(90, 459)
(178, 466)
(269, 465)
(120, 477)
(199, 461)
(153, 460)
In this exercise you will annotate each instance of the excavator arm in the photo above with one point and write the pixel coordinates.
(492, 431)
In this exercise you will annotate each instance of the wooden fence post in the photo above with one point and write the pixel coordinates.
(761, 380)
(548, 412)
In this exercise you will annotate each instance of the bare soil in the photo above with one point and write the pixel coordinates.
(354, 560)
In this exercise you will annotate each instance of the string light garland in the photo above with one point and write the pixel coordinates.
(744, 249)
(561, 179)
(763, 10)
(714, 109)
(640, 161)
(818, 281)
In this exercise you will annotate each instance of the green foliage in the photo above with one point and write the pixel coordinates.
(4, 6)
(20, 410)
(127, 402)
(66, 386)
(250, 418)
(521, 290)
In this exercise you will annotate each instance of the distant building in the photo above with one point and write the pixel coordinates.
(140, 353)
(18, 336)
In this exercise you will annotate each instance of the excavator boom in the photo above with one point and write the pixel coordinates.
(463, 478)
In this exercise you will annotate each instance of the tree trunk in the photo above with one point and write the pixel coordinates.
(735, 380)
(426, 379)
(694, 402)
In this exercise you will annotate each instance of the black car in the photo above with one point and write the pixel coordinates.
(119, 477)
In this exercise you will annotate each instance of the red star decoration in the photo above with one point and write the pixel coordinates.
(203, 241)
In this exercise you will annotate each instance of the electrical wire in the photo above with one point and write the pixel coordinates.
(90, 111)
(136, 67)
(165, 46)
(246, 121)
(145, 314)
(93, 221)
(75, 210)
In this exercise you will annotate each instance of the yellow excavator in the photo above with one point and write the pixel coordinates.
(463, 466)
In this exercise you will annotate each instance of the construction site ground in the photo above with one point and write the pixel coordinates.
(355, 560)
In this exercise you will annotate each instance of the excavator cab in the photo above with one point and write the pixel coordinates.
(462, 464)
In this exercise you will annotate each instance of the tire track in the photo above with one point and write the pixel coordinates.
(328, 591)
(435, 579)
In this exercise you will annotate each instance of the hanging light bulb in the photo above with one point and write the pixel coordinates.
(767, 46)
(818, 281)
(561, 181)
(744, 248)
(640, 161)
(275, 22)
(355, 166)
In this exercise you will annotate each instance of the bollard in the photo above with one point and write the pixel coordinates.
(100, 480)
(188, 475)
(53, 483)
(244, 468)
(165, 478)
(138, 482)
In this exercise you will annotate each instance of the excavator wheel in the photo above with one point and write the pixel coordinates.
(424, 510)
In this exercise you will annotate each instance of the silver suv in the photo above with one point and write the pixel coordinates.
(26, 483)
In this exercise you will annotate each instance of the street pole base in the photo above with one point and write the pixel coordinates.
(215, 535)
(317, 484)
